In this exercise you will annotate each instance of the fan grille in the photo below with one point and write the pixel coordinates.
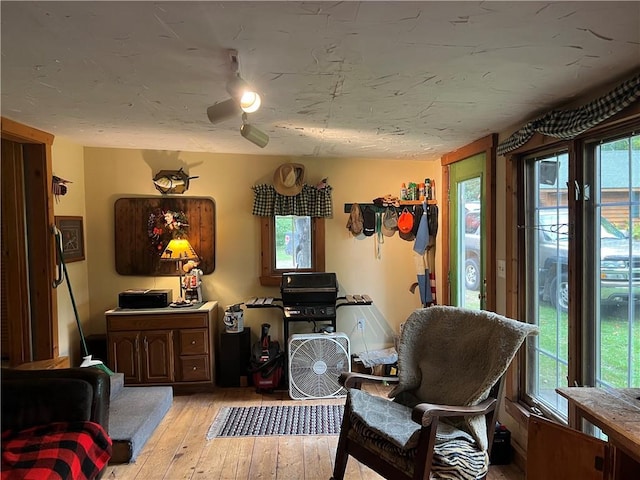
(315, 364)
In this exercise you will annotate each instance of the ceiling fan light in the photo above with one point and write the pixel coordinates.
(254, 135)
(222, 111)
(250, 102)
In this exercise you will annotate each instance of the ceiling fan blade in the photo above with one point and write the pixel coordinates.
(221, 111)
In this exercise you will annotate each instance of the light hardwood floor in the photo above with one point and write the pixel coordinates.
(178, 448)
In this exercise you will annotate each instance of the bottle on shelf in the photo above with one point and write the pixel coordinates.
(421, 191)
(427, 187)
(403, 192)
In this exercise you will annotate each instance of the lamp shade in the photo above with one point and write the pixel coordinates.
(179, 249)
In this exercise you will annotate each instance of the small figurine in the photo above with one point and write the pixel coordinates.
(191, 282)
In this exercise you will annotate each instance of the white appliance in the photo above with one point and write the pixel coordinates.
(316, 360)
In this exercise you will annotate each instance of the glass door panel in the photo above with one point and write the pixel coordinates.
(471, 241)
(467, 243)
(616, 233)
(547, 237)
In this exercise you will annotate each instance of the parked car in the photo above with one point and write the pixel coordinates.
(472, 260)
(472, 249)
(472, 217)
(616, 261)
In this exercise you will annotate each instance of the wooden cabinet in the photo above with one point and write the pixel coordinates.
(563, 452)
(555, 451)
(164, 346)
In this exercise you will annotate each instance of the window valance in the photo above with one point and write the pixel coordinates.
(566, 124)
(311, 201)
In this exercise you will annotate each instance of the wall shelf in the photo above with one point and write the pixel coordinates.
(403, 203)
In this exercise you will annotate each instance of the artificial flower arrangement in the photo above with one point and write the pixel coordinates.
(162, 226)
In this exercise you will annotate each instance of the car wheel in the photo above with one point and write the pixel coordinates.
(560, 293)
(471, 274)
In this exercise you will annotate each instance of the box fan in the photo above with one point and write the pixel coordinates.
(316, 360)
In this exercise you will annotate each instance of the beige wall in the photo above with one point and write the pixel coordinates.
(68, 163)
(114, 173)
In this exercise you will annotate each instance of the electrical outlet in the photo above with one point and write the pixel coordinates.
(502, 269)
(360, 324)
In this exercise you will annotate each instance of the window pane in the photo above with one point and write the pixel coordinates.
(617, 234)
(470, 210)
(547, 239)
(292, 242)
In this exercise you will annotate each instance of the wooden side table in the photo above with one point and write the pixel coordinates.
(164, 346)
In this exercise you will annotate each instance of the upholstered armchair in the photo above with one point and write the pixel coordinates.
(440, 421)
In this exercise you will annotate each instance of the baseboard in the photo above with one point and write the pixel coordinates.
(519, 456)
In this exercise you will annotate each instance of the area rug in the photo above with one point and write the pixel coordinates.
(277, 420)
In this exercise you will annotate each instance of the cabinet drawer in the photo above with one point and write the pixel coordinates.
(153, 322)
(194, 341)
(195, 368)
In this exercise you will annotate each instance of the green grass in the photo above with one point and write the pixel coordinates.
(614, 347)
(283, 260)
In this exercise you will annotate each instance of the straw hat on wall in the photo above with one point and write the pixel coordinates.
(288, 179)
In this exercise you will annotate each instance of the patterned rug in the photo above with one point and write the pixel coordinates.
(277, 420)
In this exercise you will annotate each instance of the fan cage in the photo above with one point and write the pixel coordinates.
(316, 361)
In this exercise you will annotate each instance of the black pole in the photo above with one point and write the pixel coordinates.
(73, 300)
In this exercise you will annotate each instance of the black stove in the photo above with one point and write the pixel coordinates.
(308, 296)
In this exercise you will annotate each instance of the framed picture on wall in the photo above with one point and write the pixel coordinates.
(72, 238)
(144, 226)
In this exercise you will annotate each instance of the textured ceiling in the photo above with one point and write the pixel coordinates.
(357, 79)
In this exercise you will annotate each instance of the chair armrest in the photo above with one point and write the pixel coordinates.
(423, 413)
(355, 380)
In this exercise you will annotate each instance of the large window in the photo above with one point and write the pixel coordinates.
(581, 267)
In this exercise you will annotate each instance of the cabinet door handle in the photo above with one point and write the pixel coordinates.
(193, 342)
(194, 368)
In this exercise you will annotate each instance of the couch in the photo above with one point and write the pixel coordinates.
(55, 423)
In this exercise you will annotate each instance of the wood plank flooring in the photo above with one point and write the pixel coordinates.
(178, 448)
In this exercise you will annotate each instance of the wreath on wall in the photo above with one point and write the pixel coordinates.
(164, 225)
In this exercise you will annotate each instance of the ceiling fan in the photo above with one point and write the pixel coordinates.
(243, 100)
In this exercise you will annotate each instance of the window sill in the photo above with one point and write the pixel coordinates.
(519, 413)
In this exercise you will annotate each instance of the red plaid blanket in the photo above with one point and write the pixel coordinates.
(58, 451)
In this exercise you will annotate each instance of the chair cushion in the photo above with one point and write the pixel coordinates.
(387, 419)
(385, 428)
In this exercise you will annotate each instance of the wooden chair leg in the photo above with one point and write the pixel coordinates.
(342, 455)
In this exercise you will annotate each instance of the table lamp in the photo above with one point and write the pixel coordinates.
(179, 250)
